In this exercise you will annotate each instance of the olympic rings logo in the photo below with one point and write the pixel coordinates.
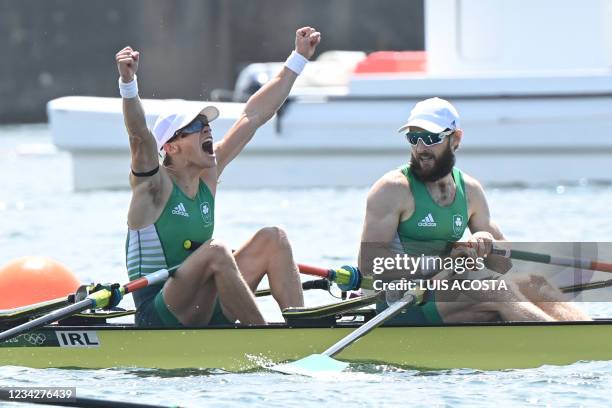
(36, 339)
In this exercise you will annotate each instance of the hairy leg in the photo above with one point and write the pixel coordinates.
(269, 253)
(475, 306)
(538, 290)
(209, 271)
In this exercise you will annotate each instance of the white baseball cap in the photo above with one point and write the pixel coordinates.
(434, 115)
(177, 115)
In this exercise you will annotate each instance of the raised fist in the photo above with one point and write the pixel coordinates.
(306, 41)
(127, 63)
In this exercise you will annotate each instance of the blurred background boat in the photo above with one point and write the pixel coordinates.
(48, 56)
(536, 105)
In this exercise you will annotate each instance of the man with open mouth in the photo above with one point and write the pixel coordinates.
(173, 203)
(424, 207)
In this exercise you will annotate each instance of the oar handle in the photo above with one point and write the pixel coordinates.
(315, 271)
(149, 280)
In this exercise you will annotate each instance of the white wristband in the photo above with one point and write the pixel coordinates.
(129, 90)
(296, 62)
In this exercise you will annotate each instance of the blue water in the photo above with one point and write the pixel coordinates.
(41, 215)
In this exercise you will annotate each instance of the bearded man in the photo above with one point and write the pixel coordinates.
(423, 206)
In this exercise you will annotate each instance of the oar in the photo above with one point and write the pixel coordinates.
(587, 286)
(553, 260)
(323, 284)
(324, 363)
(347, 278)
(95, 300)
(36, 309)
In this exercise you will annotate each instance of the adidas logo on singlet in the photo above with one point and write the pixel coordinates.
(180, 210)
(427, 221)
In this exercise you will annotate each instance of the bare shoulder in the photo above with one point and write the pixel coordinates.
(210, 177)
(474, 192)
(148, 199)
(149, 187)
(472, 186)
(392, 183)
(391, 190)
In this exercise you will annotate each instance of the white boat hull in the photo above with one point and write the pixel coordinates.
(344, 142)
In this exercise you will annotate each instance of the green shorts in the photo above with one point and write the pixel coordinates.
(155, 313)
(425, 314)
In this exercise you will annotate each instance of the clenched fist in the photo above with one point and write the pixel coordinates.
(306, 41)
(127, 63)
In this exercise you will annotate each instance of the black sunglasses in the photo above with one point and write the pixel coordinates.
(195, 126)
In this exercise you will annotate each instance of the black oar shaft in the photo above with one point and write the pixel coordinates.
(579, 263)
(46, 319)
(323, 284)
(587, 286)
(26, 312)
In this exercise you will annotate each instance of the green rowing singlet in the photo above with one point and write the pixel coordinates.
(429, 231)
(160, 245)
(431, 226)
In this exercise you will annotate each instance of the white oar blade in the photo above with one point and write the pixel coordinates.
(311, 366)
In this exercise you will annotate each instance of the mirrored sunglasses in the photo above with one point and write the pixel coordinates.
(428, 138)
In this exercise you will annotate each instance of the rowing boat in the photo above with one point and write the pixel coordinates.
(484, 346)
(87, 340)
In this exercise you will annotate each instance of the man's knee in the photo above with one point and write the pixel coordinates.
(536, 287)
(540, 281)
(214, 256)
(512, 292)
(272, 236)
(217, 248)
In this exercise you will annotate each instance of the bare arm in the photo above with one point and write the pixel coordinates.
(485, 231)
(382, 212)
(386, 201)
(480, 219)
(142, 142)
(146, 191)
(264, 103)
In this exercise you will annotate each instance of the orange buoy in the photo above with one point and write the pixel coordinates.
(34, 279)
